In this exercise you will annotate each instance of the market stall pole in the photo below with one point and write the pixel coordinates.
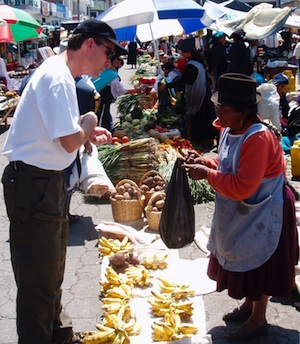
(7, 109)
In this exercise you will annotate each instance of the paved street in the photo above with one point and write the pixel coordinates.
(83, 268)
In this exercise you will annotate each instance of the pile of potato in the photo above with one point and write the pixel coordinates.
(152, 183)
(156, 202)
(127, 191)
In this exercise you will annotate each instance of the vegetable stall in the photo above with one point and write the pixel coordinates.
(147, 139)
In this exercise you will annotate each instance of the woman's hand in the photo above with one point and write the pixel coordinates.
(191, 156)
(196, 171)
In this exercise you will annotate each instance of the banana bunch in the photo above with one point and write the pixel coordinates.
(123, 292)
(108, 247)
(106, 335)
(172, 328)
(162, 302)
(139, 275)
(112, 278)
(155, 262)
(123, 329)
(176, 290)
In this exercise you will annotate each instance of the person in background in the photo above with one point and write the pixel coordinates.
(110, 92)
(239, 54)
(34, 183)
(293, 126)
(4, 75)
(219, 55)
(164, 97)
(253, 240)
(280, 80)
(200, 112)
(132, 48)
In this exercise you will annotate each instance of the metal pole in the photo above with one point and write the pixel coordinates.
(78, 9)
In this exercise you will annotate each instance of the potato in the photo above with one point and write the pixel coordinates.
(126, 186)
(159, 204)
(119, 197)
(126, 195)
(121, 189)
(130, 190)
(113, 193)
(144, 187)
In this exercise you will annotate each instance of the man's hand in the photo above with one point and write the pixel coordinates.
(88, 148)
(100, 136)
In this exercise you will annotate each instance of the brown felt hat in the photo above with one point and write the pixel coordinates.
(235, 89)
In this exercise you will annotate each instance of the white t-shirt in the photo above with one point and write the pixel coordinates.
(116, 88)
(48, 109)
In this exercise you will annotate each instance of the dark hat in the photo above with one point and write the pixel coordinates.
(235, 89)
(168, 66)
(238, 33)
(280, 79)
(96, 27)
(187, 45)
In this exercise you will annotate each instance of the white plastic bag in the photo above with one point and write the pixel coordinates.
(268, 107)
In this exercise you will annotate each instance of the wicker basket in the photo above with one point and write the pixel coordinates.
(145, 101)
(128, 210)
(148, 194)
(153, 217)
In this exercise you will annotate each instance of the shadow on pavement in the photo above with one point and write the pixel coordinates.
(82, 231)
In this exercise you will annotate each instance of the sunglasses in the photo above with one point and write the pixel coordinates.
(110, 53)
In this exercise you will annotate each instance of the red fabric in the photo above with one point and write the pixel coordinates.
(181, 63)
(261, 147)
(276, 277)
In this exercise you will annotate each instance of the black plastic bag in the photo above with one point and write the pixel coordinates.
(177, 223)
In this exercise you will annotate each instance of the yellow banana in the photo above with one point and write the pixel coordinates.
(169, 330)
(158, 295)
(118, 339)
(178, 336)
(100, 337)
(124, 242)
(103, 241)
(108, 321)
(180, 294)
(137, 329)
(116, 292)
(186, 328)
(127, 289)
(129, 325)
(108, 300)
(87, 333)
(127, 315)
(159, 334)
(104, 328)
(167, 283)
(111, 272)
(112, 308)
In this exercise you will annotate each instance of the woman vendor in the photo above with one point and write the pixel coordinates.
(253, 240)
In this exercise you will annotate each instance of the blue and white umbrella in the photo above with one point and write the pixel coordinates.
(153, 19)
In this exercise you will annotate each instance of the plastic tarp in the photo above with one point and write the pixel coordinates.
(260, 22)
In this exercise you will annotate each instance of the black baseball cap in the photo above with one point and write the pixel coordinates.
(96, 27)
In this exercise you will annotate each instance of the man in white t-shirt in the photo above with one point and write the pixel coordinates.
(45, 134)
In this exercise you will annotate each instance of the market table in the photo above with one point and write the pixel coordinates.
(7, 107)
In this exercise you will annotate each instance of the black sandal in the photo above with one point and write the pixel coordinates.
(236, 315)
